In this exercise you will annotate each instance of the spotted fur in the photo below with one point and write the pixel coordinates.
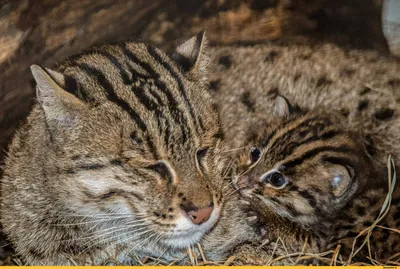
(359, 84)
(314, 173)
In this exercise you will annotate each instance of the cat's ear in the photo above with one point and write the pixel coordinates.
(58, 104)
(282, 107)
(191, 56)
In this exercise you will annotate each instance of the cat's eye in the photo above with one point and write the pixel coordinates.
(255, 154)
(275, 179)
(163, 169)
(200, 156)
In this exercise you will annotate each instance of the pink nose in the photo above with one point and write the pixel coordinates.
(201, 215)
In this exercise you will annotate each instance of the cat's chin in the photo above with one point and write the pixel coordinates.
(186, 234)
(182, 241)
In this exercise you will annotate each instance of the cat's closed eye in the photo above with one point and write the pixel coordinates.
(164, 170)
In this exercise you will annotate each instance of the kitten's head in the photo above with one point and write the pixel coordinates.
(306, 166)
(135, 142)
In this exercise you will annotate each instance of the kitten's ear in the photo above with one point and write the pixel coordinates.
(191, 56)
(282, 107)
(57, 103)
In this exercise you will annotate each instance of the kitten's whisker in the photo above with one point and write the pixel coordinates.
(233, 192)
(229, 185)
(228, 168)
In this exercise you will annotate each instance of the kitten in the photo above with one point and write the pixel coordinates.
(311, 172)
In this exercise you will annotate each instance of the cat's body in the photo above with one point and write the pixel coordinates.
(120, 158)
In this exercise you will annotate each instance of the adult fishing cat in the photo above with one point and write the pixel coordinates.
(119, 155)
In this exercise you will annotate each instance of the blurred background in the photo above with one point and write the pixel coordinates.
(47, 31)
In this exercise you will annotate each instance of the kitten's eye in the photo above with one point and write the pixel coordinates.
(276, 179)
(255, 154)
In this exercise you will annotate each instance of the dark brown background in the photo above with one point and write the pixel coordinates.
(47, 31)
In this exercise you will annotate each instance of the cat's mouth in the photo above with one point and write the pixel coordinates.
(186, 233)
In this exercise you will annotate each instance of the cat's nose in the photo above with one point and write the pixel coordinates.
(198, 215)
(201, 215)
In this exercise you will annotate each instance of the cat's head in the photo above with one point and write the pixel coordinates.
(304, 165)
(135, 142)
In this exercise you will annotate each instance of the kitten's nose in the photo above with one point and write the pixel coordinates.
(201, 215)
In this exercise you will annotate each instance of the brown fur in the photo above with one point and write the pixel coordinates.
(333, 189)
(362, 87)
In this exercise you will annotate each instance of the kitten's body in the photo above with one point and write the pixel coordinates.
(361, 85)
(333, 192)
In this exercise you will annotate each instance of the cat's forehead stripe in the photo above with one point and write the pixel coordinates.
(123, 73)
(98, 76)
(173, 105)
(197, 121)
(152, 98)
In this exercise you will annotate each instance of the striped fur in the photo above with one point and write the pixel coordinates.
(122, 141)
(314, 173)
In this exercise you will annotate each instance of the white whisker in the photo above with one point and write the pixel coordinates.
(102, 232)
(141, 242)
(233, 150)
(112, 237)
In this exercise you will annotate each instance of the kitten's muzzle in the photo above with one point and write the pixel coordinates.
(245, 185)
